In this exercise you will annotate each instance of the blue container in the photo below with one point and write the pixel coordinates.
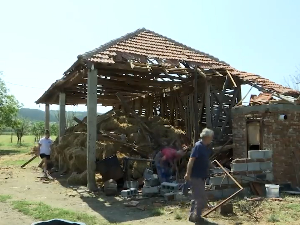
(58, 222)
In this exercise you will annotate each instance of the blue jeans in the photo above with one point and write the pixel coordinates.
(164, 173)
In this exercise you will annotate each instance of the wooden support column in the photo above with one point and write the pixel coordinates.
(91, 128)
(207, 104)
(62, 114)
(196, 109)
(47, 117)
(239, 94)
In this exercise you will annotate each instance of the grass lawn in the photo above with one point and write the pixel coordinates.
(43, 212)
(8, 148)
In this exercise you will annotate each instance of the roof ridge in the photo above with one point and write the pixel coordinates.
(136, 32)
(111, 43)
(188, 47)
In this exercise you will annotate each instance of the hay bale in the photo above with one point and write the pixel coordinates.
(122, 119)
(110, 125)
(72, 149)
(132, 138)
(78, 179)
(76, 158)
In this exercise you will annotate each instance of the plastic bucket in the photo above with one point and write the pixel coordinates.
(272, 190)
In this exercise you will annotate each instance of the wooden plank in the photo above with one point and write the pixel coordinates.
(207, 105)
(196, 110)
(79, 121)
(180, 105)
(29, 161)
(231, 78)
(228, 117)
(143, 125)
(172, 108)
(221, 101)
(200, 107)
(200, 72)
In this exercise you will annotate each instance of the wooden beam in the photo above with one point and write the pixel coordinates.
(143, 125)
(91, 128)
(207, 105)
(220, 107)
(62, 114)
(228, 117)
(231, 78)
(200, 72)
(47, 117)
(196, 110)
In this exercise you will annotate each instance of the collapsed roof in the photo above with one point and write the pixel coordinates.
(145, 62)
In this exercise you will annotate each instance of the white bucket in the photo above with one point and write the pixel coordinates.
(272, 190)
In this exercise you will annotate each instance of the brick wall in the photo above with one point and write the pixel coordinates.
(257, 167)
(280, 136)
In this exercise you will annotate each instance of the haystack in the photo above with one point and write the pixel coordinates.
(119, 135)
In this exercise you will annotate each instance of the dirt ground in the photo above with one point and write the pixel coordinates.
(24, 184)
(10, 216)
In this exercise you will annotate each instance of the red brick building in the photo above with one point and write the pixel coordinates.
(273, 127)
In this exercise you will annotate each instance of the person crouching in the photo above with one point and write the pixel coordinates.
(165, 162)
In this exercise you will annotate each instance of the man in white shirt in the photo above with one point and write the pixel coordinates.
(45, 149)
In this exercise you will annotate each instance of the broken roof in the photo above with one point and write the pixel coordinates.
(144, 47)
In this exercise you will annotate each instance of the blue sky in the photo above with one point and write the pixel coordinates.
(39, 40)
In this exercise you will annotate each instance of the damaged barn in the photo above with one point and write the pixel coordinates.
(162, 93)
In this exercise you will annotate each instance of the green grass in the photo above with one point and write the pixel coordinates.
(4, 198)
(20, 162)
(7, 148)
(157, 212)
(41, 211)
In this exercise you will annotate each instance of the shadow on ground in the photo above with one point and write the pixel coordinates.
(112, 208)
(10, 152)
(109, 207)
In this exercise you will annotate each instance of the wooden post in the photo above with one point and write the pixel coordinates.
(47, 117)
(239, 95)
(196, 110)
(62, 114)
(207, 105)
(91, 128)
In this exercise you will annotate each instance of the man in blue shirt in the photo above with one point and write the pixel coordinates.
(197, 172)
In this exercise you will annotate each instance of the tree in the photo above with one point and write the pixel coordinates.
(54, 129)
(69, 118)
(293, 81)
(9, 107)
(37, 129)
(21, 127)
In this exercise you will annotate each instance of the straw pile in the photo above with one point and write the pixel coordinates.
(119, 135)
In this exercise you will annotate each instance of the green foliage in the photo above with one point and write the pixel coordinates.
(21, 127)
(39, 115)
(9, 107)
(54, 129)
(37, 129)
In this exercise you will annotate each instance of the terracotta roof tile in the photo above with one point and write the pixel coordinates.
(262, 98)
(143, 44)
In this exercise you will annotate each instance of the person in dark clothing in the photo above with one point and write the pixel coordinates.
(197, 172)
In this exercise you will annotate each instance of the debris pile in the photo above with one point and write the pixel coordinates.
(119, 135)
